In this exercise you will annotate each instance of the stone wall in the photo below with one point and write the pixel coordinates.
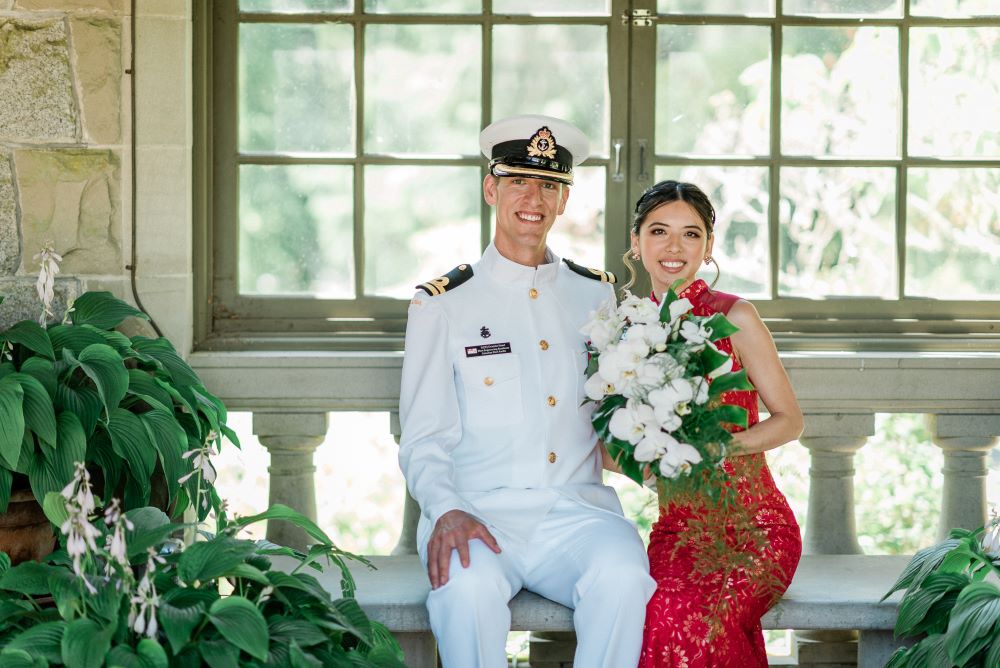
(63, 147)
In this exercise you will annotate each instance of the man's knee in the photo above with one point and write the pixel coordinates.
(482, 585)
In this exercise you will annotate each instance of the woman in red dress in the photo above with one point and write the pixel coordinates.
(718, 568)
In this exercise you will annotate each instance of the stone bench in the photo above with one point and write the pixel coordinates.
(828, 592)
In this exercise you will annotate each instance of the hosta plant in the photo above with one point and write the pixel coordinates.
(952, 602)
(129, 407)
(123, 591)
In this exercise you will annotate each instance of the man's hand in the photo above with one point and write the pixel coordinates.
(453, 531)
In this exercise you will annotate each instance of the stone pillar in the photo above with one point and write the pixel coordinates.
(832, 441)
(407, 543)
(966, 440)
(291, 439)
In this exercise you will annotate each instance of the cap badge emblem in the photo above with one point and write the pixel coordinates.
(484, 332)
(542, 144)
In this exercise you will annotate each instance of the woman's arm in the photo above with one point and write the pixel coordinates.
(755, 349)
(607, 461)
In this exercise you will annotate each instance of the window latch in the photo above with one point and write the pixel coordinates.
(642, 18)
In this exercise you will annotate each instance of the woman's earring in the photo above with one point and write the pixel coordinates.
(635, 255)
(708, 259)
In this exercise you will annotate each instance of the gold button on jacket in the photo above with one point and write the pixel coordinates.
(543, 344)
(552, 401)
(487, 381)
(552, 458)
(533, 293)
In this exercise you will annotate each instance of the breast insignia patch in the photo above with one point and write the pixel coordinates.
(595, 274)
(443, 284)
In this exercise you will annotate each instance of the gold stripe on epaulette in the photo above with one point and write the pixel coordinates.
(438, 286)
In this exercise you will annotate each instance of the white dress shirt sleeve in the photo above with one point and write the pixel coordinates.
(429, 412)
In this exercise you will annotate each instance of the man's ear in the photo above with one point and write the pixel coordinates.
(563, 197)
(490, 184)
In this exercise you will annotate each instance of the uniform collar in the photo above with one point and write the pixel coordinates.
(508, 272)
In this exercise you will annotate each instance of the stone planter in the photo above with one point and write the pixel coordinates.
(25, 532)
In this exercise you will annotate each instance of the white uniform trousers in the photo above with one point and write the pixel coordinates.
(586, 559)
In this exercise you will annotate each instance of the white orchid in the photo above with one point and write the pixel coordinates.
(654, 336)
(670, 402)
(604, 326)
(618, 364)
(597, 387)
(639, 310)
(696, 333)
(701, 391)
(678, 459)
(677, 308)
(653, 445)
(631, 421)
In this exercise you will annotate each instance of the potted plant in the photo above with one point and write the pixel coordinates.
(124, 592)
(129, 407)
(952, 602)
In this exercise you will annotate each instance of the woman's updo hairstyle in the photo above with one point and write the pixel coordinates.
(662, 193)
(666, 192)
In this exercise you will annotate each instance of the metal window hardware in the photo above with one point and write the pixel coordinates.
(642, 18)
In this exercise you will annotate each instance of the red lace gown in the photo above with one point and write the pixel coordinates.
(704, 614)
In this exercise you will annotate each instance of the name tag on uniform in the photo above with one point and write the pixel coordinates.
(487, 349)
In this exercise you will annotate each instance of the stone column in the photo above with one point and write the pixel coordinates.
(407, 543)
(966, 440)
(832, 441)
(291, 439)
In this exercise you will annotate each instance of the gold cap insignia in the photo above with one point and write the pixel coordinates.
(542, 144)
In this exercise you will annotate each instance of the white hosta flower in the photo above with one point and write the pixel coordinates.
(48, 261)
(142, 615)
(78, 490)
(200, 461)
(653, 445)
(639, 310)
(597, 387)
(670, 402)
(678, 460)
(991, 539)
(695, 333)
(630, 422)
(115, 541)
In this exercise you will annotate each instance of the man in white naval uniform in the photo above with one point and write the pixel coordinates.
(496, 445)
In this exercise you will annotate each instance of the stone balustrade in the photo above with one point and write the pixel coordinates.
(290, 395)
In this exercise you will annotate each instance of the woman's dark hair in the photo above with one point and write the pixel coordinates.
(665, 192)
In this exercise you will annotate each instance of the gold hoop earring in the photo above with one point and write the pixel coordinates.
(718, 270)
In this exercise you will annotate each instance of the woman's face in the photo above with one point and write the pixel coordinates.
(672, 242)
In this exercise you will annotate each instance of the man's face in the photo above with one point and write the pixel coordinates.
(526, 209)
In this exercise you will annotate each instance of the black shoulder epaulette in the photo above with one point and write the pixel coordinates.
(596, 274)
(452, 279)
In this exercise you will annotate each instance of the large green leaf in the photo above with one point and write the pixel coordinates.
(153, 653)
(973, 621)
(32, 336)
(84, 402)
(178, 623)
(917, 602)
(163, 352)
(54, 506)
(105, 367)
(39, 415)
(43, 371)
(150, 527)
(42, 640)
(144, 386)
(18, 658)
(11, 420)
(300, 659)
(131, 442)
(67, 591)
(6, 482)
(287, 629)
(736, 380)
(922, 564)
(721, 327)
(123, 656)
(46, 476)
(102, 310)
(29, 577)
(219, 654)
(170, 441)
(210, 559)
(101, 452)
(241, 623)
(279, 511)
(74, 339)
(71, 441)
(85, 644)
(349, 616)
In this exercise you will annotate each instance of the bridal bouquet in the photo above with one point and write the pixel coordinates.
(657, 379)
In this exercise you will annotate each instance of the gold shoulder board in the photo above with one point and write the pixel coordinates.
(452, 279)
(595, 274)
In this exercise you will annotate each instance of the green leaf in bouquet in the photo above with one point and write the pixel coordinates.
(736, 380)
(11, 420)
(721, 327)
(601, 416)
(621, 453)
(32, 336)
(712, 360)
(41, 641)
(730, 414)
(102, 310)
(241, 623)
(104, 366)
(973, 621)
(85, 644)
(44, 371)
(669, 297)
(917, 603)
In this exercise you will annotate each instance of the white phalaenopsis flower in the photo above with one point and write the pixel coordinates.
(654, 336)
(639, 310)
(596, 387)
(678, 459)
(653, 445)
(604, 326)
(631, 421)
(670, 402)
(695, 333)
(618, 364)
(48, 261)
(649, 374)
(677, 308)
(991, 539)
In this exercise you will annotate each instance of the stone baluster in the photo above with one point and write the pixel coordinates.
(291, 439)
(832, 440)
(966, 440)
(407, 543)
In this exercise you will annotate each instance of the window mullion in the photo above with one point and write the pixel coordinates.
(904, 153)
(774, 171)
(359, 152)
(486, 111)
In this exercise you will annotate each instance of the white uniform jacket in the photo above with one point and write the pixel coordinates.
(492, 393)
